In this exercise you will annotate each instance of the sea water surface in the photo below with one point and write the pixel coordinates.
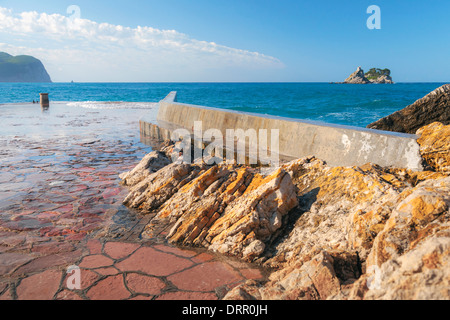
(355, 105)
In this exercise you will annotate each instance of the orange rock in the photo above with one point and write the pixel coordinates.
(434, 144)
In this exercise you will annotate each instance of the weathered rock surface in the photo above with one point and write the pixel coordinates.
(357, 77)
(226, 208)
(151, 163)
(383, 79)
(359, 223)
(434, 144)
(434, 107)
(364, 232)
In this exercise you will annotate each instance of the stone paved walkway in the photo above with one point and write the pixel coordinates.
(61, 205)
(121, 270)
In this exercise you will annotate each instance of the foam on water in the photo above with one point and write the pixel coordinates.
(110, 105)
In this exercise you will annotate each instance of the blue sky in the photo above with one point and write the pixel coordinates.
(246, 40)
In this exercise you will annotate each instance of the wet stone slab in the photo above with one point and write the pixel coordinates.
(61, 204)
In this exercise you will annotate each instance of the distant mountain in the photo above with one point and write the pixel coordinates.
(22, 69)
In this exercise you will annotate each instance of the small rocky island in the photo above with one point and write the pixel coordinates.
(374, 75)
(22, 69)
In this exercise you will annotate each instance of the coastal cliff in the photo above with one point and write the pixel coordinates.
(22, 69)
(374, 75)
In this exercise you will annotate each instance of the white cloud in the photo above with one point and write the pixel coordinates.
(85, 50)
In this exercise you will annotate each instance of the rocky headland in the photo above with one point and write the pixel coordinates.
(362, 232)
(22, 69)
(374, 75)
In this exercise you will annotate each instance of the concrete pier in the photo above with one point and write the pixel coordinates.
(338, 145)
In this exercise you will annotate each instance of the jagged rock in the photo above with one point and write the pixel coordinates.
(317, 278)
(329, 200)
(364, 232)
(154, 190)
(420, 274)
(226, 208)
(383, 79)
(357, 77)
(151, 163)
(417, 214)
(434, 107)
(434, 144)
(410, 229)
(371, 217)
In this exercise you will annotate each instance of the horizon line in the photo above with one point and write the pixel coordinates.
(215, 82)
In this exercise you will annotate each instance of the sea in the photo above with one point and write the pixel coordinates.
(354, 105)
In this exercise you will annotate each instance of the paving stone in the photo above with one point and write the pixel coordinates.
(68, 295)
(56, 194)
(108, 271)
(10, 261)
(3, 286)
(205, 277)
(41, 286)
(6, 296)
(180, 295)
(141, 297)
(237, 264)
(26, 225)
(251, 274)
(111, 192)
(94, 246)
(153, 262)
(66, 208)
(96, 261)
(76, 237)
(88, 278)
(119, 250)
(144, 284)
(48, 215)
(203, 257)
(42, 263)
(12, 239)
(177, 251)
(111, 288)
(52, 247)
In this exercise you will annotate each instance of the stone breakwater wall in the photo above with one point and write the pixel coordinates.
(336, 144)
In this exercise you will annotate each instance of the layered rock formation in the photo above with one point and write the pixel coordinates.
(357, 77)
(434, 141)
(435, 106)
(364, 232)
(373, 76)
(22, 69)
(226, 208)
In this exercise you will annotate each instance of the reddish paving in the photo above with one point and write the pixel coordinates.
(61, 205)
(118, 271)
